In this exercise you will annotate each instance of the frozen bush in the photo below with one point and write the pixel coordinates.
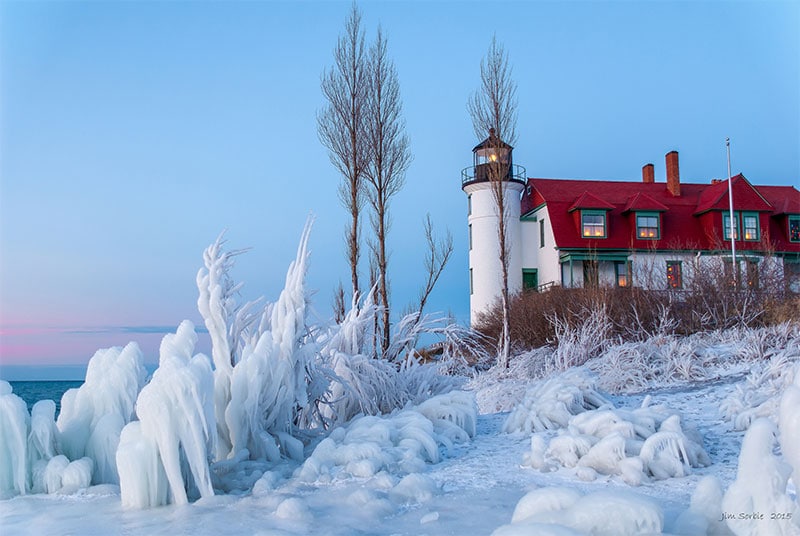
(403, 442)
(93, 415)
(14, 426)
(550, 404)
(175, 433)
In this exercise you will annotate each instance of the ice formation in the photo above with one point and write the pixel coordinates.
(632, 444)
(566, 511)
(759, 492)
(403, 442)
(175, 433)
(550, 404)
(789, 421)
(92, 416)
(14, 425)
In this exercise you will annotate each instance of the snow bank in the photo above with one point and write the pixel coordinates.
(175, 433)
(93, 415)
(403, 442)
(594, 437)
(565, 511)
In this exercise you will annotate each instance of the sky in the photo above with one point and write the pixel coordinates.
(133, 133)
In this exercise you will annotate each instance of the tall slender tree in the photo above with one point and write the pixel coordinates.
(341, 128)
(493, 109)
(390, 156)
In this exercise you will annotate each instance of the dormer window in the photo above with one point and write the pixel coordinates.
(593, 224)
(726, 226)
(647, 226)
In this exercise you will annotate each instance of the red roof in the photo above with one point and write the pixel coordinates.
(692, 220)
(642, 202)
(588, 201)
(745, 197)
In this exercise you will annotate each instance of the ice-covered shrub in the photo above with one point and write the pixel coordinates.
(170, 447)
(550, 404)
(402, 442)
(597, 438)
(92, 416)
(759, 491)
(14, 427)
(565, 511)
(759, 395)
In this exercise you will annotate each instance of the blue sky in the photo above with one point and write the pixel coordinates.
(133, 133)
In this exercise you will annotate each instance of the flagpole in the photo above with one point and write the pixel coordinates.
(730, 204)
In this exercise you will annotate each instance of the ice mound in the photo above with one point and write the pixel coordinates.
(14, 426)
(174, 437)
(632, 444)
(550, 404)
(757, 502)
(565, 511)
(402, 442)
(93, 415)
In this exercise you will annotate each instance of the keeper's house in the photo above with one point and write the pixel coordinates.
(650, 234)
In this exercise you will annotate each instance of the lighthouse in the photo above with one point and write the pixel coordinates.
(493, 173)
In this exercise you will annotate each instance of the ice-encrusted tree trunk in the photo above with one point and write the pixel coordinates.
(340, 126)
(493, 109)
(390, 156)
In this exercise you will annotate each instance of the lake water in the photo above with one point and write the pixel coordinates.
(33, 391)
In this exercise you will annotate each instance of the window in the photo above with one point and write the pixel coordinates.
(647, 226)
(470, 282)
(591, 275)
(470, 237)
(730, 277)
(794, 228)
(622, 272)
(593, 224)
(674, 275)
(530, 279)
(751, 228)
(752, 274)
(469, 205)
(541, 233)
(726, 226)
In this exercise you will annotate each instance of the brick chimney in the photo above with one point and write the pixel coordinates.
(648, 173)
(673, 175)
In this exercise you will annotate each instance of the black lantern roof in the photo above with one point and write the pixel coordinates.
(492, 142)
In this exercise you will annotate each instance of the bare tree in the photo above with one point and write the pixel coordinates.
(389, 158)
(493, 109)
(340, 126)
(436, 258)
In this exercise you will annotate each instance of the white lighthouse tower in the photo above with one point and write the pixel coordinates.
(492, 163)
